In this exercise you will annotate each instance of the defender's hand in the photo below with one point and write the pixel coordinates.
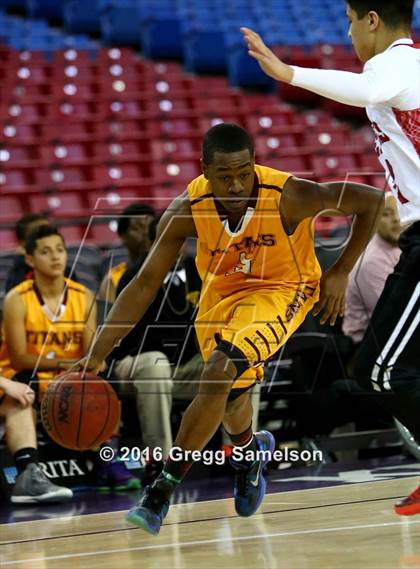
(331, 301)
(269, 63)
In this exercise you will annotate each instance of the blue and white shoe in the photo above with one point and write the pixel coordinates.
(249, 487)
(150, 511)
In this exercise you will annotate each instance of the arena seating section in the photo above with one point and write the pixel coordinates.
(87, 127)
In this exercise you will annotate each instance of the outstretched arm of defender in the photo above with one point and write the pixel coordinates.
(303, 198)
(175, 226)
(357, 89)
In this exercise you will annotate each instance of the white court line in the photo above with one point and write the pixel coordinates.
(403, 523)
(339, 484)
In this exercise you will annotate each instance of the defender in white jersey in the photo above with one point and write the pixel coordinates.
(389, 88)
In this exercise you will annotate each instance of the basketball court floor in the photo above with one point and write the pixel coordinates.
(329, 517)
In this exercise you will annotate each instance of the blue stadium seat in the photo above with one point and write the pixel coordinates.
(52, 9)
(244, 71)
(12, 3)
(161, 36)
(120, 22)
(198, 57)
(82, 17)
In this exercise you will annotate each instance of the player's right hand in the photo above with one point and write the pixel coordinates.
(19, 391)
(269, 62)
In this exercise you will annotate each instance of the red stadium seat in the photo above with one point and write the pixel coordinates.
(72, 233)
(68, 131)
(12, 181)
(8, 239)
(330, 50)
(79, 57)
(64, 204)
(23, 113)
(74, 91)
(11, 208)
(35, 76)
(294, 164)
(19, 156)
(65, 153)
(326, 140)
(113, 199)
(74, 110)
(74, 72)
(178, 106)
(215, 105)
(122, 150)
(316, 119)
(379, 181)
(207, 122)
(125, 129)
(369, 162)
(182, 149)
(269, 145)
(258, 103)
(64, 178)
(292, 94)
(164, 195)
(340, 110)
(29, 58)
(345, 63)
(22, 133)
(266, 123)
(121, 55)
(175, 171)
(123, 174)
(105, 233)
(363, 139)
(178, 127)
(121, 109)
(26, 92)
(340, 165)
(206, 85)
(297, 55)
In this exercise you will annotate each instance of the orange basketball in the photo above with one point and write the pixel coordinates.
(80, 411)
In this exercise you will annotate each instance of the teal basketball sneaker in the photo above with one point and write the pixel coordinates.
(150, 511)
(249, 486)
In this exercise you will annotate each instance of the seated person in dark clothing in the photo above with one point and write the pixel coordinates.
(133, 230)
(344, 400)
(159, 356)
(21, 271)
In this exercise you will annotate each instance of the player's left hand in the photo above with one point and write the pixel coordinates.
(269, 63)
(331, 300)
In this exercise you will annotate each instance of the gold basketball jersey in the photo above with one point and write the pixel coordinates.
(116, 273)
(259, 254)
(49, 335)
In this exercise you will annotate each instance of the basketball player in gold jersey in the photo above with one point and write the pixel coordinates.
(48, 321)
(256, 258)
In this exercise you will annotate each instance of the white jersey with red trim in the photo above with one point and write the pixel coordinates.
(396, 123)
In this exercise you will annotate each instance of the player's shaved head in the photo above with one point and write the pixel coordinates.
(226, 138)
(393, 13)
